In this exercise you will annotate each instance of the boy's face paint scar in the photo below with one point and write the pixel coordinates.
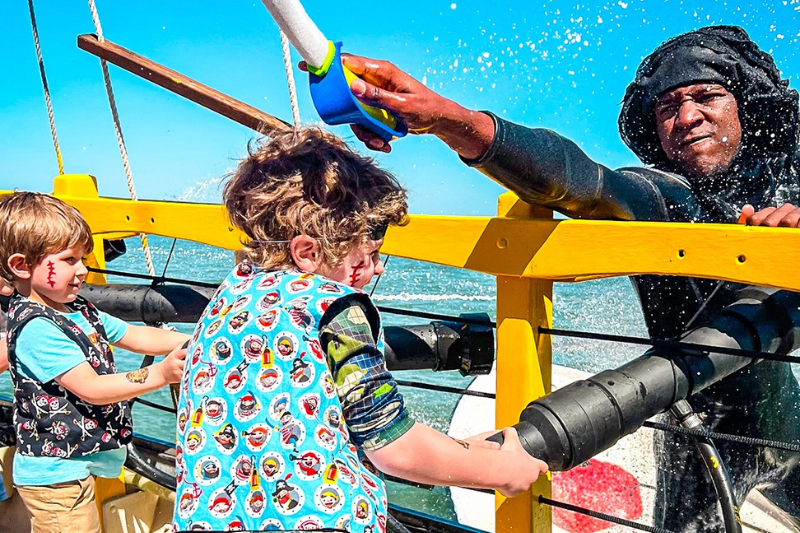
(51, 274)
(359, 266)
(355, 275)
(57, 277)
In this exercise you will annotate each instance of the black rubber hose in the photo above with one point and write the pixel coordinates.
(393, 525)
(717, 470)
(137, 463)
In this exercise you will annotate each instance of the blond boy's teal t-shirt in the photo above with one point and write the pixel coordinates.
(44, 352)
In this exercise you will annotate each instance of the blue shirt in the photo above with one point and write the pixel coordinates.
(43, 353)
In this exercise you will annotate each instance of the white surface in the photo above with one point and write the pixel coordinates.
(300, 29)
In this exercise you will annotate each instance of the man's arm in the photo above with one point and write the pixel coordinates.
(542, 167)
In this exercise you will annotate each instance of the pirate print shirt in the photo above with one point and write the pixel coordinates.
(43, 353)
(49, 420)
(262, 440)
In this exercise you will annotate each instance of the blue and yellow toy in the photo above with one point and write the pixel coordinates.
(330, 80)
(336, 104)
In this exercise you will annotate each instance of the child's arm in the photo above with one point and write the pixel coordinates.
(93, 388)
(152, 341)
(425, 455)
(3, 353)
(375, 414)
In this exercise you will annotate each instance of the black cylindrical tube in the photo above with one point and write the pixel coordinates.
(149, 304)
(683, 413)
(411, 347)
(436, 346)
(578, 421)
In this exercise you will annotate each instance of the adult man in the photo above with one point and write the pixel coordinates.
(709, 111)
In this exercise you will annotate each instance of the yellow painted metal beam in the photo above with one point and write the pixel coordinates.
(565, 250)
(523, 374)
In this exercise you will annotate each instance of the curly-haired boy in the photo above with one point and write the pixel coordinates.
(286, 382)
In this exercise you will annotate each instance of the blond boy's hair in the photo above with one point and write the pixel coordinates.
(35, 225)
(310, 183)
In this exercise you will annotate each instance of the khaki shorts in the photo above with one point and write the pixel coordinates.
(63, 507)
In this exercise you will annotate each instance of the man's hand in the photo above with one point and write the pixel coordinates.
(785, 216)
(381, 84)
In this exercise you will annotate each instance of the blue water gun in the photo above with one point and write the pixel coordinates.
(329, 79)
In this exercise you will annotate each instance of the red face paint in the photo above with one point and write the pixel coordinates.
(356, 274)
(51, 274)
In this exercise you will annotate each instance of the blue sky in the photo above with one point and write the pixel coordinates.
(560, 65)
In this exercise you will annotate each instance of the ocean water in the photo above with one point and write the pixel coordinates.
(608, 306)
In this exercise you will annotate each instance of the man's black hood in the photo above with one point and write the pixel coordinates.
(725, 55)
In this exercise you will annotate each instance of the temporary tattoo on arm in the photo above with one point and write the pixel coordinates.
(51, 274)
(137, 376)
(463, 444)
(356, 274)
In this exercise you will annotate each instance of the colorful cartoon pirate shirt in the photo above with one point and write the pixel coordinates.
(261, 440)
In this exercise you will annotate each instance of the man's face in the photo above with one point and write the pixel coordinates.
(699, 128)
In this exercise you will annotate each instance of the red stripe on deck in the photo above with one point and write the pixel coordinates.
(598, 486)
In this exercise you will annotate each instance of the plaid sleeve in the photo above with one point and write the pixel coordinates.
(371, 404)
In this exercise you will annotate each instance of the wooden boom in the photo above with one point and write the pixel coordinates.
(218, 102)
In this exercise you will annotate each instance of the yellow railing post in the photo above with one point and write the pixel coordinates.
(83, 186)
(523, 368)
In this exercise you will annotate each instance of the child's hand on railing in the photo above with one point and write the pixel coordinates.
(480, 441)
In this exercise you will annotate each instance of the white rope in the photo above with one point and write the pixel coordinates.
(287, 63)
(120, 140)
(47, 99)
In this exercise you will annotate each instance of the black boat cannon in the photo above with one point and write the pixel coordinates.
(576, 422)
(440, 345)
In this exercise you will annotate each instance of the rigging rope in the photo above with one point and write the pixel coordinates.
(601, 516)
(444, 388)
(148, 258)
(767, 443)
(47, 99)
(287, 64)
(686, 347)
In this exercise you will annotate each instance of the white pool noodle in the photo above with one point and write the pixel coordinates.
(300, 29)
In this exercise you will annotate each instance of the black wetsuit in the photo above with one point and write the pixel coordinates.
(546, 169)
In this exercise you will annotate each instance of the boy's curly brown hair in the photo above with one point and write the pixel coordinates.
(310, 182)
(35, 225)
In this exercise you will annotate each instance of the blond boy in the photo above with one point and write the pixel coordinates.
(71, 414)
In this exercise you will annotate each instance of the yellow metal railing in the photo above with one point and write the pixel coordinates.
(524, 248)
(513, 245)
